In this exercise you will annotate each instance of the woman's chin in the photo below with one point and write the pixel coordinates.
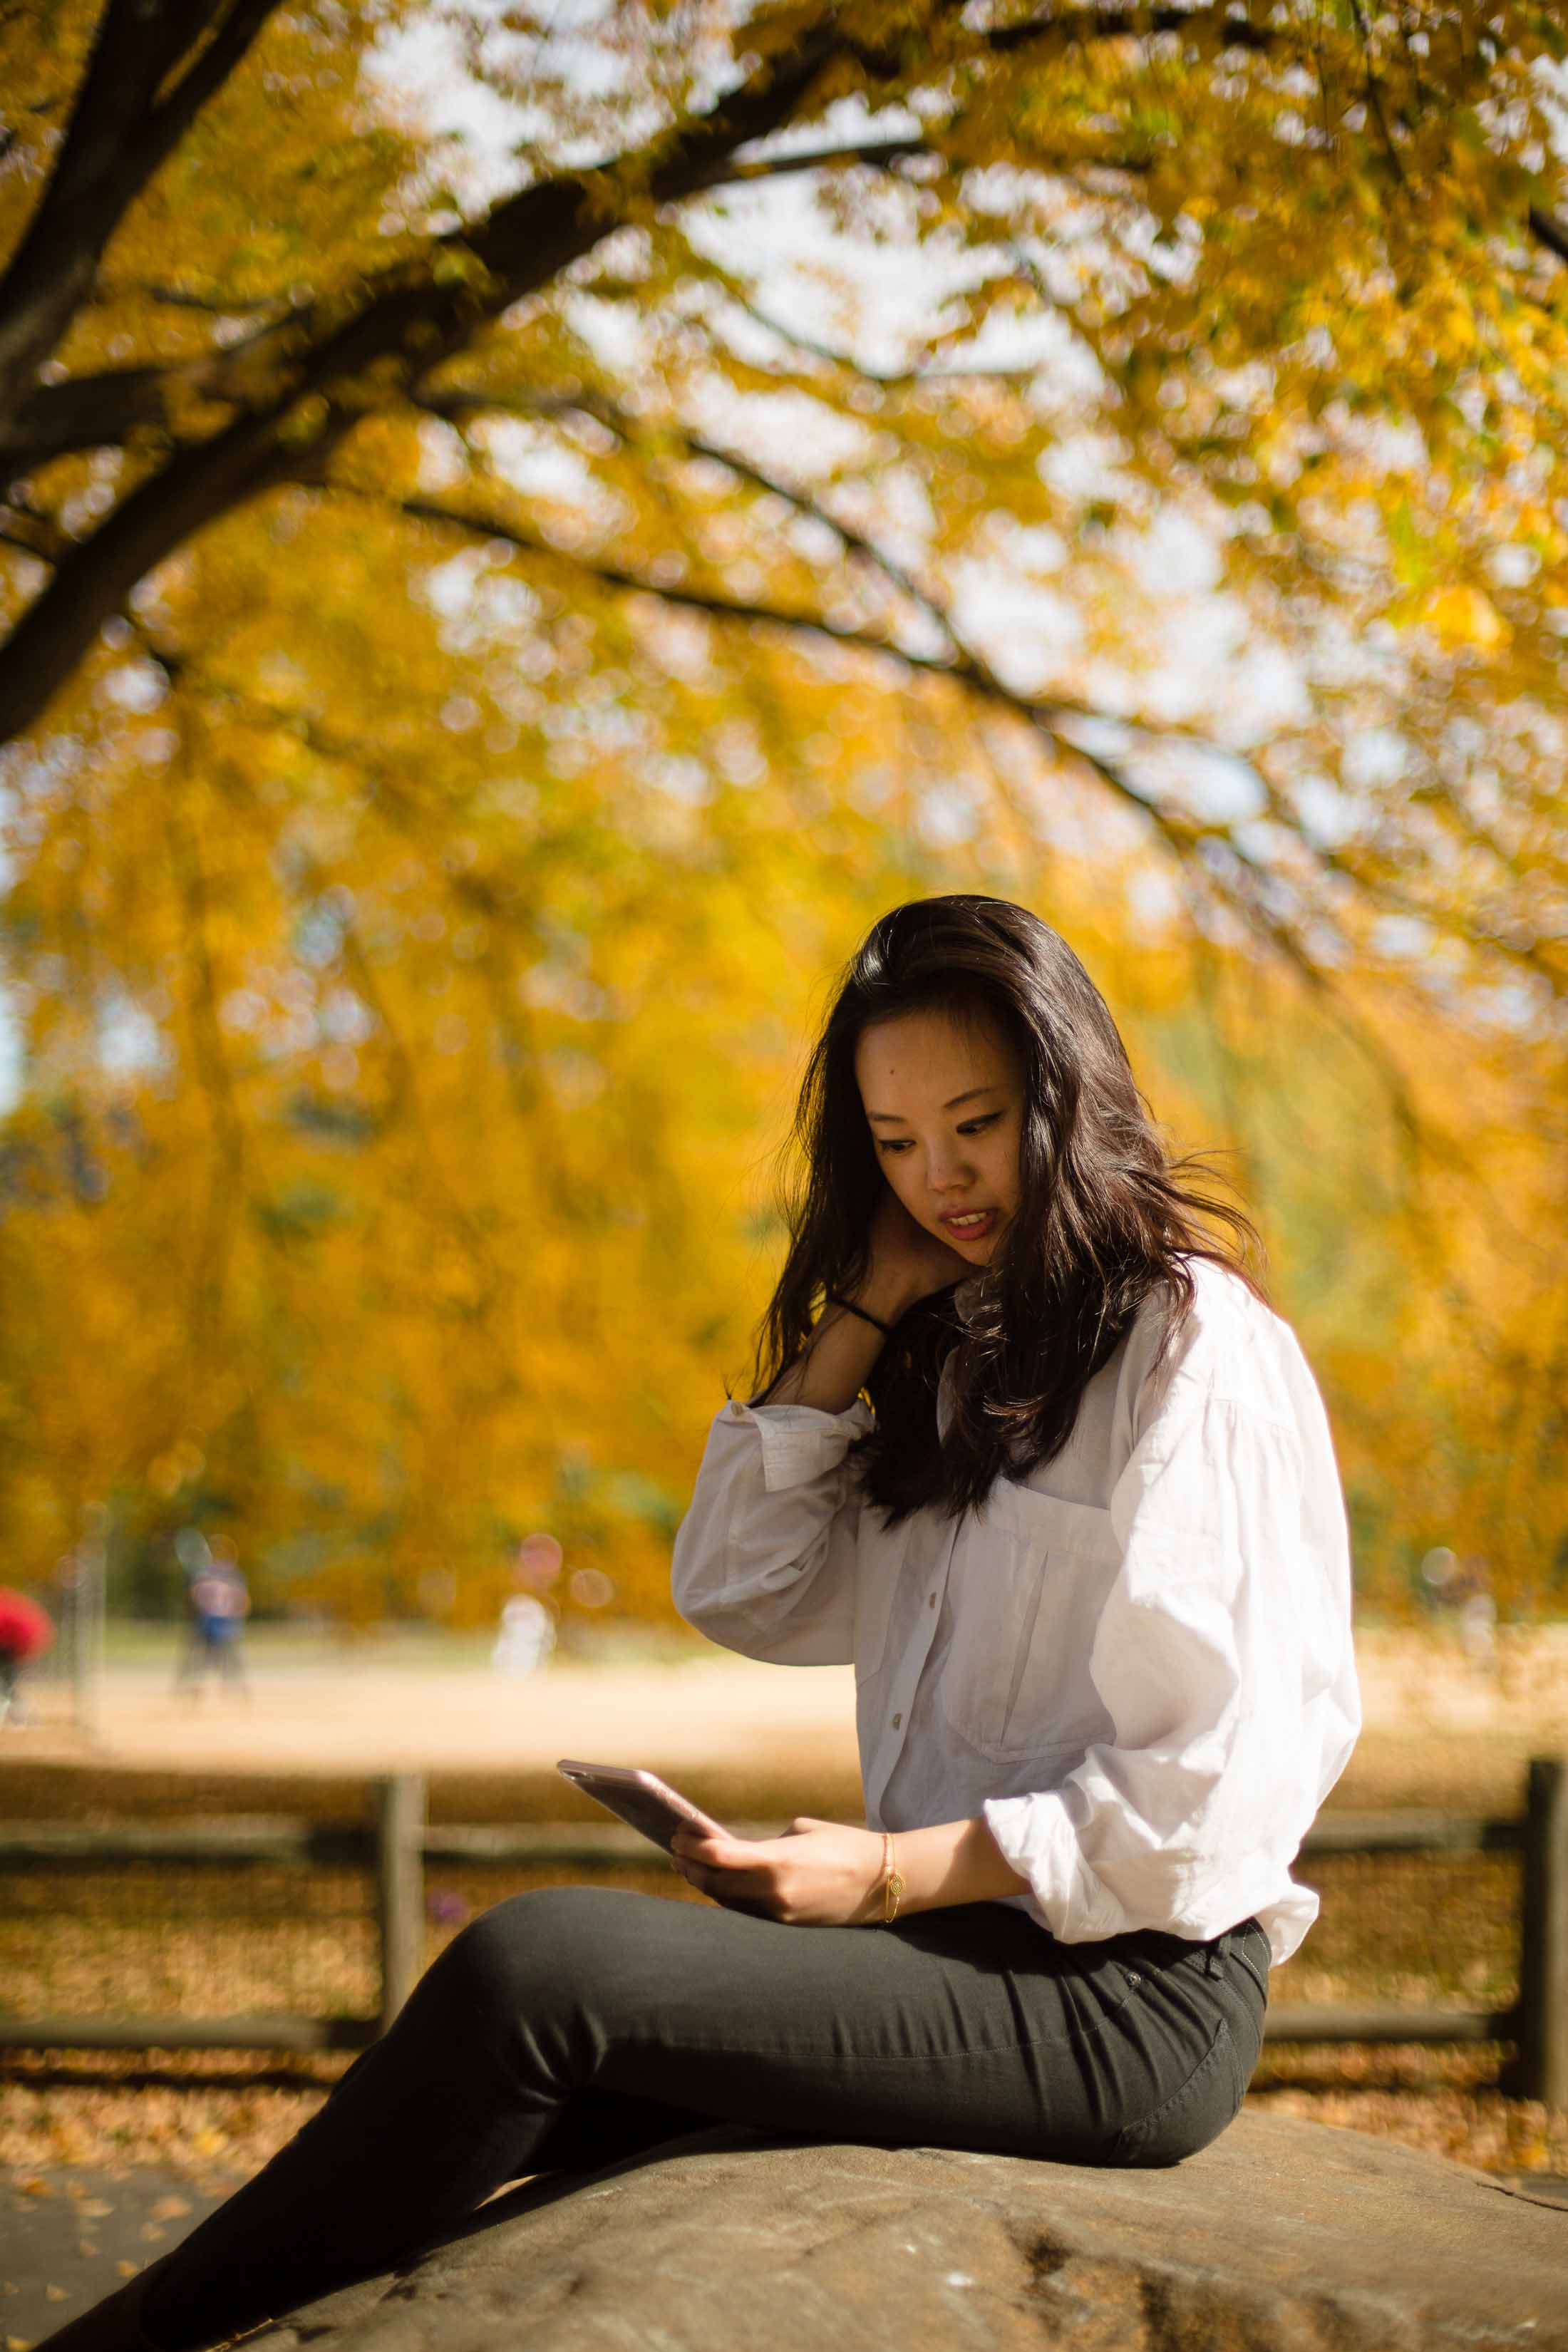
(975, 1254)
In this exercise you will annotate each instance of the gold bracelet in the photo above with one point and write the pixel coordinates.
(892, 1883)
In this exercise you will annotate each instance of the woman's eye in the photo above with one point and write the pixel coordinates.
(970, 1126)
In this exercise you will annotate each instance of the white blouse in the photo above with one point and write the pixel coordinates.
(1136, 1663)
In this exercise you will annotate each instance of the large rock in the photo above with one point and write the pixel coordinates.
(1283, 2237)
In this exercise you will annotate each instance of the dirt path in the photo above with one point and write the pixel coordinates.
(70, 2235)
(315, 1719)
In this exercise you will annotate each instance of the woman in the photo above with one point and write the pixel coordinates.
(1085, 1546)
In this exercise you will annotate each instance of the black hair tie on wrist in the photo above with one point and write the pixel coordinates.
(833, 1299)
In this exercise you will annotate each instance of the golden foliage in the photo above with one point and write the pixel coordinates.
(530, 674)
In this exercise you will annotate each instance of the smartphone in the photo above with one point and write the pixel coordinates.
(652, 1808)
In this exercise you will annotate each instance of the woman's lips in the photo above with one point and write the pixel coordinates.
(970, 1225)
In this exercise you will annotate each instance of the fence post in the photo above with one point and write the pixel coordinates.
(1542, 2069)
(399, 1888)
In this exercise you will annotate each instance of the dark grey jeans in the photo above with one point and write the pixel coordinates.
(580, 2025)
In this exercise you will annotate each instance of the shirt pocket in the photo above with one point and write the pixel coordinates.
(1029, 1584)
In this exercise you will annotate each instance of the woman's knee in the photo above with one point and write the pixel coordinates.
(530, 1948)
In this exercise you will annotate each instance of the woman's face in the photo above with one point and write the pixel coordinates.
(944, 1100)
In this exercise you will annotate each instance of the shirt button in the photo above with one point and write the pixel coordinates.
(931, 1600)
(897, 1720)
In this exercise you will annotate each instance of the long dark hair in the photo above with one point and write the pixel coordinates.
(1106, 1219)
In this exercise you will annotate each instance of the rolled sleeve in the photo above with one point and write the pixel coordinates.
(764, 1557)
(1186, 1815)
(799, 1443)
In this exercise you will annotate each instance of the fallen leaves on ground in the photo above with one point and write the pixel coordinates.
(202, 2120)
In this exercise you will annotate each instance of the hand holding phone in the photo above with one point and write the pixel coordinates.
(642, 1800)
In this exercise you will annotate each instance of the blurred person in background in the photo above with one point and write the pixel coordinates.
(217, 1602)
(1028, 1449)
(1472, 1593)
(526, 1640)
(25, 1633)
(1462, 1588)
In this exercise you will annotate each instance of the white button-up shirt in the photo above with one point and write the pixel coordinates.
(1136, 1664)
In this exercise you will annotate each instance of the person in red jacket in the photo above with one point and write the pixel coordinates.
(25, 1633)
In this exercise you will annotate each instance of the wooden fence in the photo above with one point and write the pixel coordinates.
(400, 1842)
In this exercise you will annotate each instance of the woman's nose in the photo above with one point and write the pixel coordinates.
(947, 1172)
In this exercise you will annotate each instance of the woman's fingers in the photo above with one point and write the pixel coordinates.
(719, 1853)
(722, 1887)
(756, 1876)
(750, 1884)
(818, 1872)
(732, 1871)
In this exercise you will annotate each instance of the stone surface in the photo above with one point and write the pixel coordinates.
(1285, 2236)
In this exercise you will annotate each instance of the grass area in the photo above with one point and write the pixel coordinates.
(146, 1645)
(140, 1646)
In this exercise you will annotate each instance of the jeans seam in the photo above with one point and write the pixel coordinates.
(1260, 1981)
(1132, 2135)
(917, 2058)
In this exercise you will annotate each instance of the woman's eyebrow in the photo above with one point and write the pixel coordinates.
(897, 1116)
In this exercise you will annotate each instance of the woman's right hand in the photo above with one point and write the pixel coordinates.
(906, 1261)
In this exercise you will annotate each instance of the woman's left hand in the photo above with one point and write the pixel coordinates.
(818, 1875)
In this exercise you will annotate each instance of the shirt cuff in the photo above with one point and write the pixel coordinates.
(1036, 1838)
(800, 1442)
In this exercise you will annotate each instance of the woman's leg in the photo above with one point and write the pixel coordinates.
(965, 2028)
(599, 2127)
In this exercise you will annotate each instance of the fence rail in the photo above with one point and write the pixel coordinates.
(400, 1842)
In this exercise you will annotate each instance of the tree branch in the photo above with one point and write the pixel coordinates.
(1051, 718)
(890, 379)
(1548, 231)
(1224, 25)
(86, 412)
(1374, 94)
(1056, 721)
(880, 152)
(179, 298)
(316, 390)
(118, 134)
